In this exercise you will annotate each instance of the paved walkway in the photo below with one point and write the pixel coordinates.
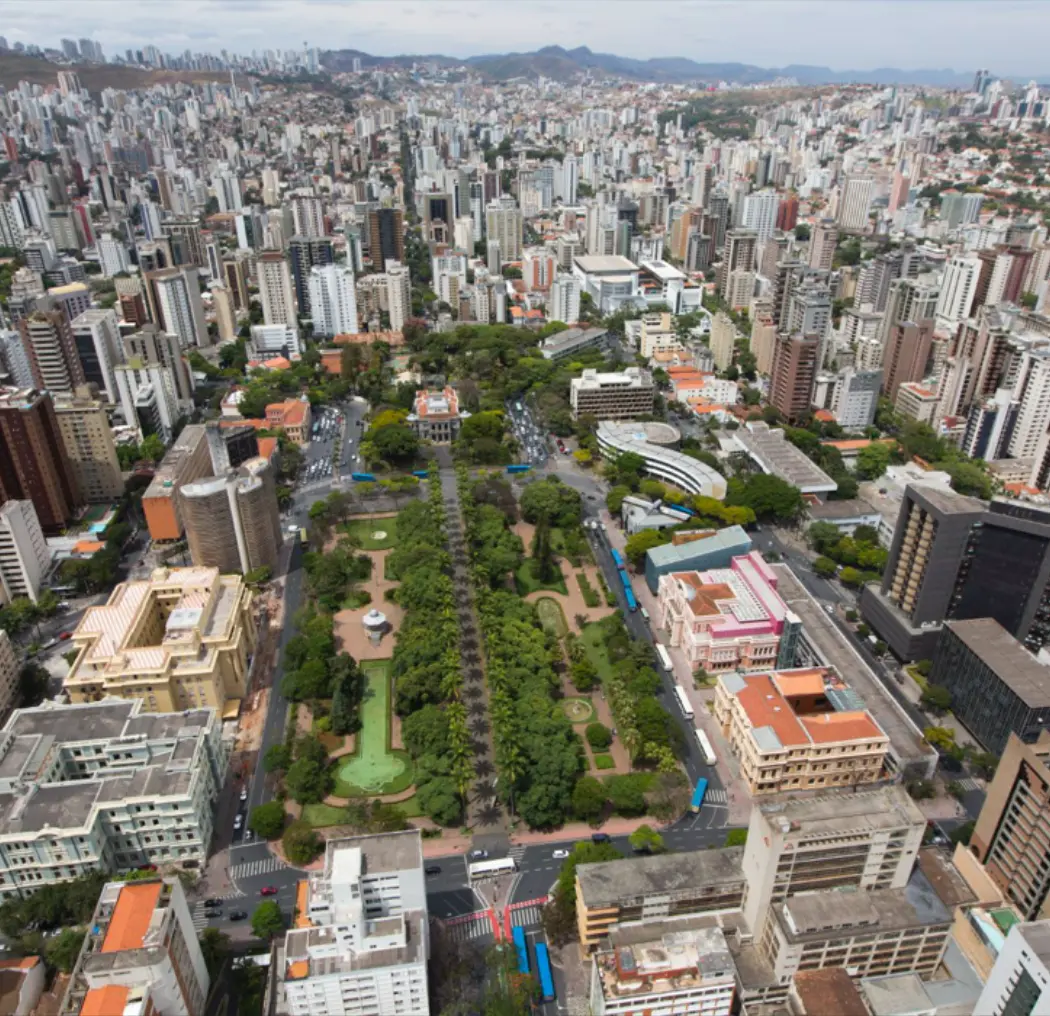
(349, 631)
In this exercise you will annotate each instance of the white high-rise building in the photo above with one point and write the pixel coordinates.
(14, 359)
(958, 289)
(399, 294)
(227, 190)
(147, 397)
(179, 304)
(1032, 392)
(97, 337)
(333, 304)
(24, 555)
(275, 290)
(760, 213)
(723, 336)
(855, 203)
(362, 943)
(503, 223)
(564, 302)
(1020, 980)
(112, 255)
(308, 216)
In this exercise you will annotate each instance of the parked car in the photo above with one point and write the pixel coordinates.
(268, 890)
(432, 869)
(244, 794)
(600, 838)
(238, 821)
(213, 912)
(65, 635)
(238, 915)
(560, 854)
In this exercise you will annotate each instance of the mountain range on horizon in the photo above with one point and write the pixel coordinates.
(565, 64)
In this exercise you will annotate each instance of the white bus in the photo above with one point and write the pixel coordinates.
(491, 869)
(683, 701)
(665, 657)
(705, 747)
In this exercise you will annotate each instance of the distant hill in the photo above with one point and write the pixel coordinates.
(15, 67)
(566, 64)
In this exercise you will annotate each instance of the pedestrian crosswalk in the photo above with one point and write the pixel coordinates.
(969, 783)
(250, 868)
(473, 926)
(517, 852)
(526, 917)
(200, 921)
(716, 797)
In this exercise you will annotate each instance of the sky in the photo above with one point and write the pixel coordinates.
(1006, 36)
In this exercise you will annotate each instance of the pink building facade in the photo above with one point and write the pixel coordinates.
(725, 619)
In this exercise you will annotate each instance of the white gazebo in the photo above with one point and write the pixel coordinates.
(375, 625)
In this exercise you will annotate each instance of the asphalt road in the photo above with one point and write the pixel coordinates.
(530, 436)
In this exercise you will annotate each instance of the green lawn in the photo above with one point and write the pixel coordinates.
(604, 762)
(319, 815)
(526, 580)
(366, 529)
(593, 640)
(409, 808)
(552, 617)
(374, 768)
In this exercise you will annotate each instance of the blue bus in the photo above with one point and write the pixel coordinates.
(681, 508)
(698, 795)
(363, 477)
(521, 947)
(543, 970)
(618, 559)
(422, 474)
(628, 592)
(520, 467)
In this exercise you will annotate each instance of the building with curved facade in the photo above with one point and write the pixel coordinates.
(652, 441)
(232, 521)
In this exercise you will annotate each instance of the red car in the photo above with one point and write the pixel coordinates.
(65, 635)
(268, 890)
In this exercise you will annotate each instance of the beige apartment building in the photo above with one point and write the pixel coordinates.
(788, 736)
(180, 639)
(1012, 834)
(623, 395)
(9, 670)
(85, 430)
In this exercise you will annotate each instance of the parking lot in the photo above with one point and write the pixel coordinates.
(532, 440)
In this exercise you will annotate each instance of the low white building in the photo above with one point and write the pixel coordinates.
(361, 944)
(612, 395)
(611, 280)
(652, 441)
(105, 786)
(275, 340)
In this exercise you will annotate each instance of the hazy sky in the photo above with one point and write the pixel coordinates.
(1007, 36)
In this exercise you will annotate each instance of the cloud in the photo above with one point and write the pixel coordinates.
(1007, 36)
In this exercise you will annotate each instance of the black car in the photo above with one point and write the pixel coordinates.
(212, 912)
(213, 903)
(432, 869)
(238, 915)
(600, 838)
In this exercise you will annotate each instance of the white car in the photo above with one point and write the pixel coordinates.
(238, 821)
(560, 855)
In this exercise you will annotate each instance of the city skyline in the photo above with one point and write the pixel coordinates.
(877, 34)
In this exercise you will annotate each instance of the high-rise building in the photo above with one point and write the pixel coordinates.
(187, 245)
(907, 354)
(855, 203)
(275, 290)
(399, 294)
(333, 304)
(177, 305)
(148, 400)
(85, 430)
(305, 253)
(233, 272)
(822, 243)
(386, 232)
(763, 339)
(960, 209)
(97, 338)
(232, 519)
(1018, 983)
(33, 461)
(564, 302)
(48, 339)
(160, 620)
(503, 223)
(958, 289)
(143, 953)
(867, 840)
(225, 319)
(307, 216)
(1031, 392)
(133, 308)
(723, 336)
(794, 370)
(361, 944)
(10, 669)
(741, 255)
(154, 345)
(760, 213)
(24, 555)
(188, 459)
(112, 255)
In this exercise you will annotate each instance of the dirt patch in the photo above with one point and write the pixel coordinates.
(251, 721)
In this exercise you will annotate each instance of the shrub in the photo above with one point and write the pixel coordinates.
(604, 762)
(598, 736)
(267, 820)
(301, 844)
(589, 593)
(736, 837)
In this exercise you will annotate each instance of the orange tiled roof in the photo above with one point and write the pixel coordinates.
(108, 1001)
(267, 446)
(131, 916)
(827, 728)
(298, 970)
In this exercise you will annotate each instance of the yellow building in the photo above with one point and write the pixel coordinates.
(178, 640)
